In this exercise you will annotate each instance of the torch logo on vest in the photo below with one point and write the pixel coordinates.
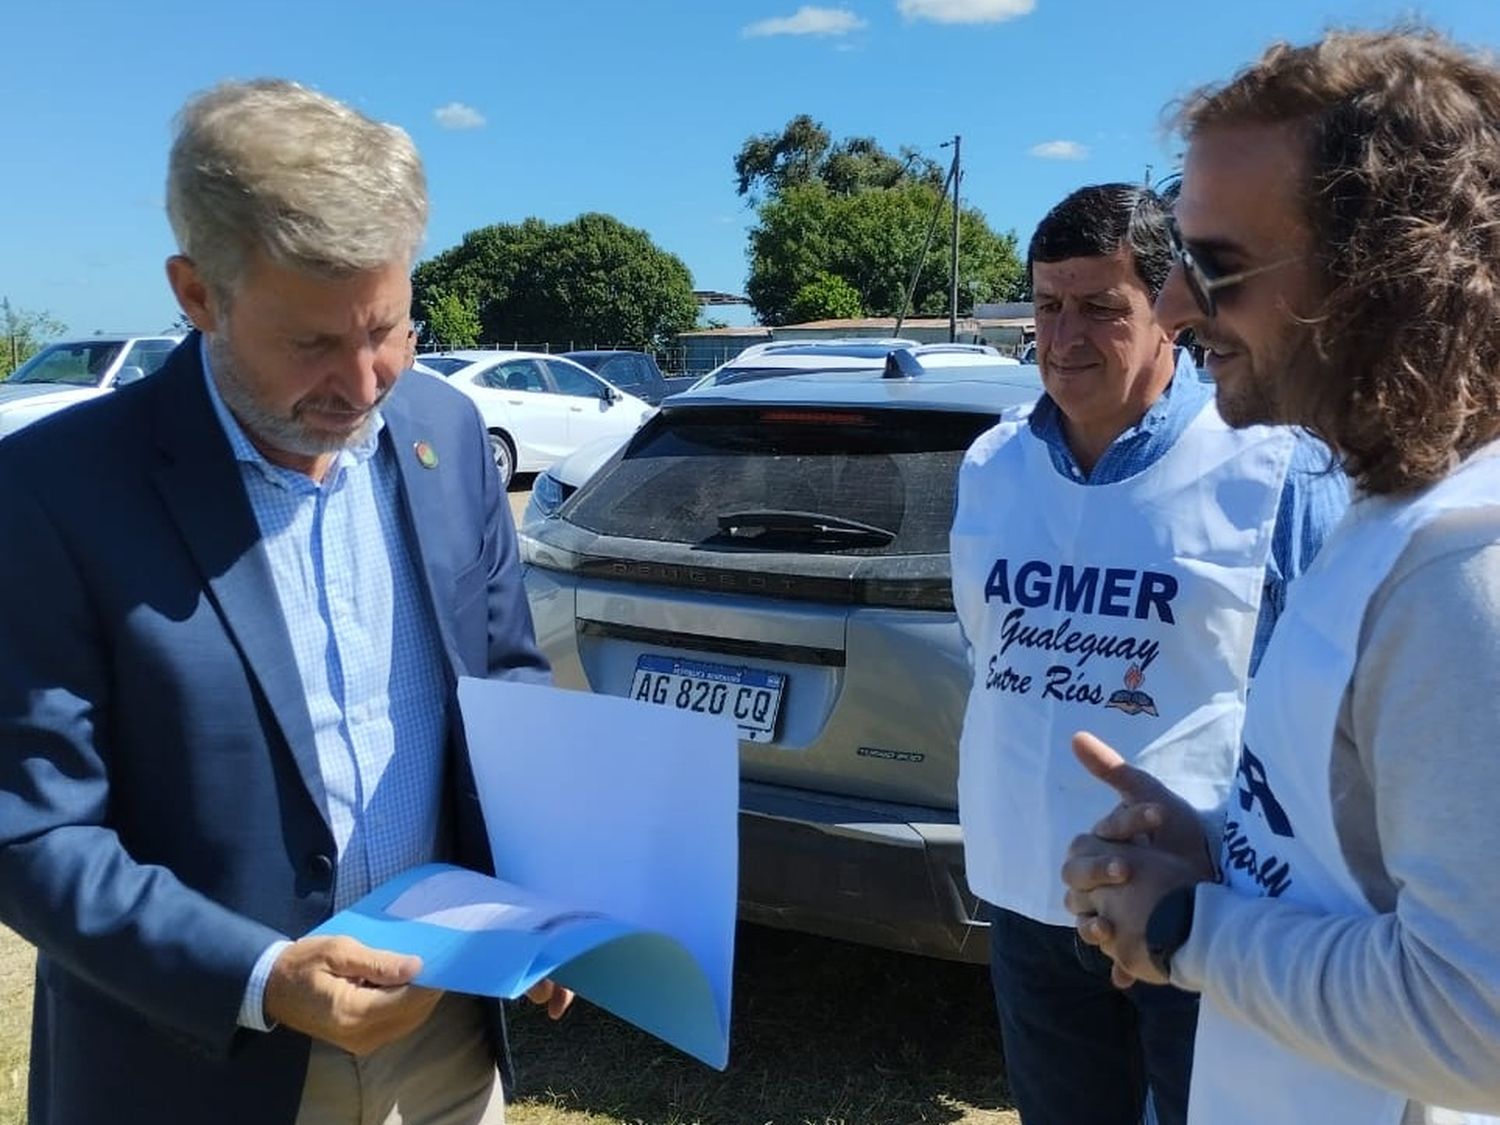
(1131, 699)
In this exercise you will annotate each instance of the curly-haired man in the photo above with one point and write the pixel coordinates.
(1338, 254)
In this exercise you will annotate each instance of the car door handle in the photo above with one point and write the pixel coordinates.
(516, 401)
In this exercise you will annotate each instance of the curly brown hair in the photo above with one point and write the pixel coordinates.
(1403, 198)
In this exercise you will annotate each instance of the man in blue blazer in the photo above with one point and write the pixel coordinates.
(234, 602)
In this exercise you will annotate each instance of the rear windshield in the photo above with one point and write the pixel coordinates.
(892, 470)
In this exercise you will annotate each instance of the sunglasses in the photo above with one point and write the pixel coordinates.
(1203, 283)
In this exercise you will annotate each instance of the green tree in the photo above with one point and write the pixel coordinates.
(803, 153)
(826, 297)
(591, 280)
(452, 320)
(25, 332)
(850, 211)
(775, 161)
(871, 239)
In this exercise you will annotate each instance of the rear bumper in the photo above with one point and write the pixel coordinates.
(865, 871)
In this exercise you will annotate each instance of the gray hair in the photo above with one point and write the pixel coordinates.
(318, 187)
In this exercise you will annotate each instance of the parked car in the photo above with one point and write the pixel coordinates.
(855, 353)
(536, 407)
(635, 373)
(75, 370)
(776, 551)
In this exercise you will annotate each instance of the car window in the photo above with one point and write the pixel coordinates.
(77, 365)
(149, 355)
(516, 375)
(895, 470)
(624, 371)
(443, 365)
(571, 380)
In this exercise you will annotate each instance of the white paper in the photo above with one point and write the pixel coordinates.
(613, 805)
(614, 829)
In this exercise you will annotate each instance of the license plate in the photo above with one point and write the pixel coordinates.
(750, 697)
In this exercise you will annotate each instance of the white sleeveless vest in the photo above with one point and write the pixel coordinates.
(1280, 837)
(1126, 609)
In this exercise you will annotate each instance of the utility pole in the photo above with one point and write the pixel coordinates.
(953, 175)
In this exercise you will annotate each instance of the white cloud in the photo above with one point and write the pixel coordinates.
(807, 21)
(1060, 150)
(456, 115)
(965, 11)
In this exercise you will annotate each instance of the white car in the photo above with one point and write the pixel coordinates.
(73, 371)
(852, 353)
(538, 408)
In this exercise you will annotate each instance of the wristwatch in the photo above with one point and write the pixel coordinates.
(1168, 926)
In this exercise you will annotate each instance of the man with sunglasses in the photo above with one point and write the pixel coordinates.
(1119, 558)
(1339, 257)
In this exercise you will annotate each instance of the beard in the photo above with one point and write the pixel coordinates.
(288, 432)
(1255, 390)
(1244, 400)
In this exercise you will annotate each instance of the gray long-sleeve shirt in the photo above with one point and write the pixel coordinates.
(1409, 997)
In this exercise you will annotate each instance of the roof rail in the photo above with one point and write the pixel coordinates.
(967, 349)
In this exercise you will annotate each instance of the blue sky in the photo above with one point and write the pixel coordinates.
(631, 107)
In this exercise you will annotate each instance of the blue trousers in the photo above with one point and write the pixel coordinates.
(1079, 1051)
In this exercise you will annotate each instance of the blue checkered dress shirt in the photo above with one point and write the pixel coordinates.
(351, 594)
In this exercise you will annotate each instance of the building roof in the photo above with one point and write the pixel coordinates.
(755, 331)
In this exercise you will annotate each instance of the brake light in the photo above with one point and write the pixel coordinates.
(817, 417)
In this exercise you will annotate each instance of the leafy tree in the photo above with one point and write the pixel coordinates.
(590, 280)
(859, 163)
(775, 161)
(803, 152)
(25, 333)
(871, 239)
(850, 214)
(452, 320)
(826, 297)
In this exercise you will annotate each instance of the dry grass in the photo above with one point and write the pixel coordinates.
(824, 1034)
(16, 962)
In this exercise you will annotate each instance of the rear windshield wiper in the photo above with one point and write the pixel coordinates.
(762, 523)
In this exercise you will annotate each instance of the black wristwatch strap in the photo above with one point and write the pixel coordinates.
(1168, 926)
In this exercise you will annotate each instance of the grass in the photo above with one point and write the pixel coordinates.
(16, 962)
(824, 1033)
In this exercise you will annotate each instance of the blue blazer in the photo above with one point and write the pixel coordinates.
(162, 815)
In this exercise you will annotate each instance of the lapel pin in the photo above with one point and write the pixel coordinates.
(426, 455)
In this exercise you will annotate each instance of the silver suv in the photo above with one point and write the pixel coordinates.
(777, 551)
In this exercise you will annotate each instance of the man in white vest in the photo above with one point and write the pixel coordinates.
(1119, 557)
(1339, 255)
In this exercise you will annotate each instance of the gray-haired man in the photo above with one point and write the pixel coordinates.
(237, 600)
